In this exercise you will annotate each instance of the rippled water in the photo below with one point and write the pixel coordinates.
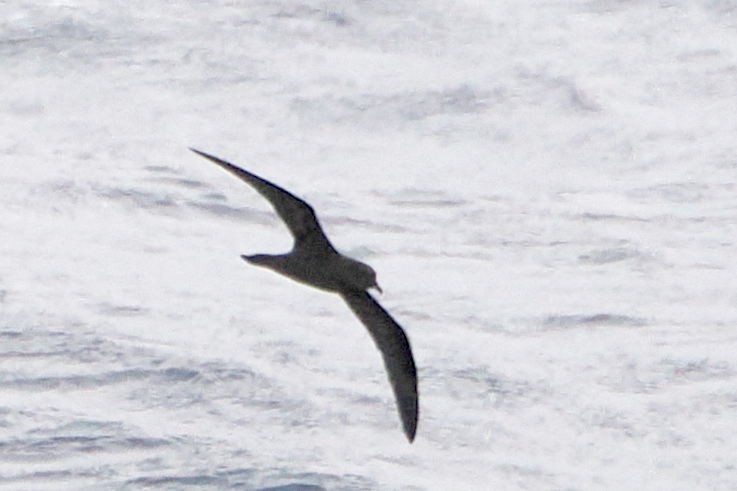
(547, 192)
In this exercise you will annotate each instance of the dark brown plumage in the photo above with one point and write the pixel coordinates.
(314, 261)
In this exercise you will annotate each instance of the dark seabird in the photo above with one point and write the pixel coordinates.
(314, 261)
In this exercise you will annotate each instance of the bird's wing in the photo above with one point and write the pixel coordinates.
(299, 216)
(394, 346)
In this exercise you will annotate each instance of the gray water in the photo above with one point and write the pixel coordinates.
(547, 191)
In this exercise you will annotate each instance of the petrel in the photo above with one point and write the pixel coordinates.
(314, 261)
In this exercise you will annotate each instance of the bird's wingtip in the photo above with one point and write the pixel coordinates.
(410, 430)
(212, 158)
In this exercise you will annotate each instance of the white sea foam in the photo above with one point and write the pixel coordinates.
(547, 192)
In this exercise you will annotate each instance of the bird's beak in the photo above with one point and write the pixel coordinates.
(376, 285)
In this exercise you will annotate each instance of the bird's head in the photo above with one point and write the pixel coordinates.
(366, 277)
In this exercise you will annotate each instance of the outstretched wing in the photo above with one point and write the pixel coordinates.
(299, 216)
(394, 346)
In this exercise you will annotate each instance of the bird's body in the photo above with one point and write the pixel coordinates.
(314, 261)
(331, 272)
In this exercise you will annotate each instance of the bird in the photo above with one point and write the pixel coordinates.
(314, 261)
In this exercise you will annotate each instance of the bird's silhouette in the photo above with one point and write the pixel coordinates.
(314, 261)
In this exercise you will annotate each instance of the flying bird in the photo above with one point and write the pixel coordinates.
(314, 261)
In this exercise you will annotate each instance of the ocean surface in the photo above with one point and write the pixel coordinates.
(547, 190)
